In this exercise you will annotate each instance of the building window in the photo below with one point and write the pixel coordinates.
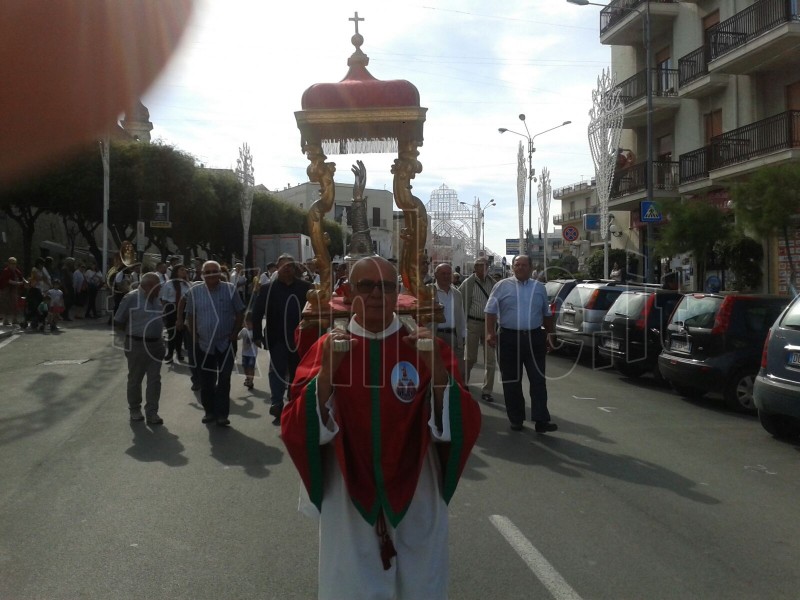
(376, 216)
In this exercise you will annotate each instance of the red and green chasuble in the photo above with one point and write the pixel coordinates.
(382, 405)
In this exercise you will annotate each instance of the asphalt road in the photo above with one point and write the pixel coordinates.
(640, 494)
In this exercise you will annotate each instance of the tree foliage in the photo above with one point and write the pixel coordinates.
(693, 227)
(596, 261)
(766, 202)
(204, 203)
(742, 255)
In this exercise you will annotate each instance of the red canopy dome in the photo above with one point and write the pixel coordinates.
(359, 89)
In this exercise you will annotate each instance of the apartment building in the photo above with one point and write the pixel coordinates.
(725, 81)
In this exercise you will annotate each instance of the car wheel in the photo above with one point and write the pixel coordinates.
(778, 425)
(687, 391)
(629, 370)
(738, 392)
(658, 376)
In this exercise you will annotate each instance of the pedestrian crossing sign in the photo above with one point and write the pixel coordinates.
(650, 212)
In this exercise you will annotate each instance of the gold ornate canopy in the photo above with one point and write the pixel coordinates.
(361, 114)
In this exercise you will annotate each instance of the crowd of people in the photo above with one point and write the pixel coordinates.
(388, 490)
(49, 294)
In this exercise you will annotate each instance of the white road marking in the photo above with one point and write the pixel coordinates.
(582, 398)
(6, 342)
(760, 468)
(544, 571)
(607, 409)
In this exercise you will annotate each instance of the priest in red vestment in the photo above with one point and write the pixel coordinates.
(380, 432)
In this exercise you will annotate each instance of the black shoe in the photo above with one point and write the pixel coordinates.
(275, 410)
(180, 357)
(154, 420)
(545, 426)
(168, 360)
(276, 420)
(209, 419)
(517, 427)
(487, 398)
(196, 386)
(223, 422)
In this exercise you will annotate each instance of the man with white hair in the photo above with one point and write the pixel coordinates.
(139, 316)
(214, 315)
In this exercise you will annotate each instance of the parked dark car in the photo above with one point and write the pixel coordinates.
(557, 290)
(713, 343)
(581, 316)
(777, 387)
(631, 335)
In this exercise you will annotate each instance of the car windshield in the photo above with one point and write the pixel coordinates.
(697, 311)
(792, 317)
(628, 304)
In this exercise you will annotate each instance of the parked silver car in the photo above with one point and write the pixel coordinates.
(776, 391)
(581, 316)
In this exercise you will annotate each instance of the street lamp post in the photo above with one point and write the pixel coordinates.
(531, 149)
(648, 48)
(483, 225)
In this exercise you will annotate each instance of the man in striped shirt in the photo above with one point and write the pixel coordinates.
(475, 292)
(214, 314)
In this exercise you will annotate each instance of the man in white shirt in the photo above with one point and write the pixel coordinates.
(454, 328)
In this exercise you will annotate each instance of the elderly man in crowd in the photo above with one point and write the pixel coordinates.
(214, 315)
(475, 293)
(519, 305)
(139, 316)
(454, 328)
(281, 301)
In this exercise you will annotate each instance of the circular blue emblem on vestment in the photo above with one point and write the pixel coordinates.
(405, 381)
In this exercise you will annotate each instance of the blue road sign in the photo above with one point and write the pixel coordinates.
(650, 212)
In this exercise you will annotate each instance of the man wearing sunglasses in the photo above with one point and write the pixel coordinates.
(380, 428)
(214, 313)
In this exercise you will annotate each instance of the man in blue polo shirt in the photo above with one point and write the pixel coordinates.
(519, 305)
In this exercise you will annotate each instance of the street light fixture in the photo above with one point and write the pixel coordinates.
(531, 150)
(648, 47)
(483, 225)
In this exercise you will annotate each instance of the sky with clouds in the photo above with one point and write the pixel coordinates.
(243, 65)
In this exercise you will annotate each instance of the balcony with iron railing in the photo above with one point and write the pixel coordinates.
(633, 93)
(759, 38)
(622, 22)
(763, 138)
(633, 180)
(573, 188)
(574, 215)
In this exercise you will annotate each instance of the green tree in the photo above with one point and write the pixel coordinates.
(766, 202)
(742, 255)
(693, 226)
(594, 264)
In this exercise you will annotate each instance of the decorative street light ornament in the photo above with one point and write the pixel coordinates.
(605, 128)
(522, 180)
(543, 198)
(244, 173)
(362, 114)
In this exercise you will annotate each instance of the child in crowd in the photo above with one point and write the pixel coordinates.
(43, 313)
(249, 351)
(56, 305)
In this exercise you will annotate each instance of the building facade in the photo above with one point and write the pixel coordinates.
(725, 96)
(380, 209)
